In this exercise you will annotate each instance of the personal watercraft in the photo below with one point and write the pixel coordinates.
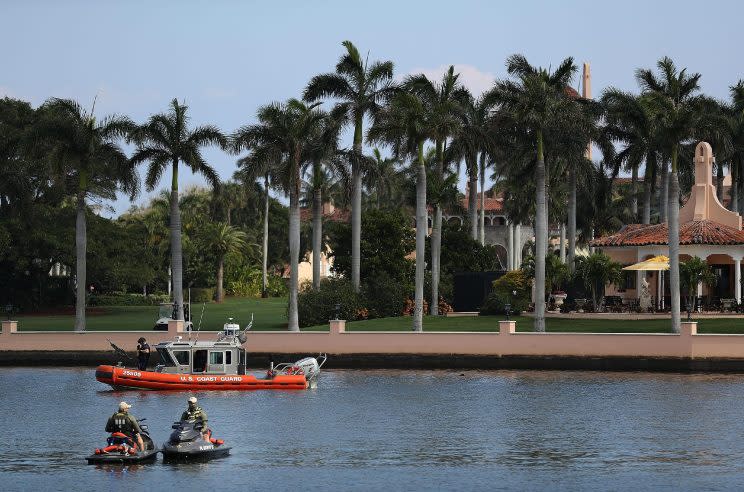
(121, 449)
(187, 443)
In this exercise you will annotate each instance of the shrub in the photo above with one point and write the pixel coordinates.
(317, 307)
(201, 294)
(502, 293)
(383, 297)
(410, 304)
(122, 299)
(276, 286)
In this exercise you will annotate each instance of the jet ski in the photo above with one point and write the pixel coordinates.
(186, 443)
(121, 449)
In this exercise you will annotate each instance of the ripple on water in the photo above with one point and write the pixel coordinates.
(419, 429)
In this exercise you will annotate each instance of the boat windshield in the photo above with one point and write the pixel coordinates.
(166, 357)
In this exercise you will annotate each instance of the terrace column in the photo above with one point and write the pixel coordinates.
(563, 243)
(510, 257)
(737, 279)
(658, 288)
(517, 245)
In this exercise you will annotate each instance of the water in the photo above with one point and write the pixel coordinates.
(395, 430)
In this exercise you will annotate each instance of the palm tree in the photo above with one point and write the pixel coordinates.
(691, 273)
(288, 129)
(537, 103)
(631, 121)
(324, 157)
(444, 102)
(360, 87)
(167, 140)
(473, 140)
(84, 153)
(381, 177)
(737, 136)
(673, 96)
(596, 271)
(715, 127)
(261, 162)
(406, 124)
(225, 240)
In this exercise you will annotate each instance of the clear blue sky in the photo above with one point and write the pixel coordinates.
(226, 58)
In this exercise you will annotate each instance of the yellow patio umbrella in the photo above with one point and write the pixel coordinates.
(657, 263)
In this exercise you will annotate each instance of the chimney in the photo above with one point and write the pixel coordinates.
(586, 93)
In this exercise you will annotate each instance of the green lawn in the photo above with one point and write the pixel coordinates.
(270, 314)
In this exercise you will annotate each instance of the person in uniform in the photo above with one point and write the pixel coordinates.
(194, 413)
(122, 421)
(143, 353)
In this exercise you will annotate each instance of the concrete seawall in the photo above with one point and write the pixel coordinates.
(687, 351)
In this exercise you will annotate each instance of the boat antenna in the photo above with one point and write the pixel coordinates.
(200, 321)
(243, 335)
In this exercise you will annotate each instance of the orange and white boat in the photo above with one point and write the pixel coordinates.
(211, 365)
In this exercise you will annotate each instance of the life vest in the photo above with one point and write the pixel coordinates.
(195, 414)
(121, 422)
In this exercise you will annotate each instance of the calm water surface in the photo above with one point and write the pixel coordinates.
(395, 430)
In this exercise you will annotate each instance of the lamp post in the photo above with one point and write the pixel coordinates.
(689, 308)
(507, 306)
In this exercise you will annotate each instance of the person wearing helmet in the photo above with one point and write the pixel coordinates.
(143, 353)
(194, 413)
(124, 422)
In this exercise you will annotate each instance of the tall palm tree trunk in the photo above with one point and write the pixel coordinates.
(674, 244)
(648, 181)
(634, 193)
(317, 235)
(740, 179)
(176, 251)
(473, 198)
(734, 188)
(356, 208)
(294, 253)
(421, 227)
(482, 217)
(541, 231)
(571, 217)
(220, 280)
(81, 245)
(265, 252)
(436, 240)
(664, 193)
(719, 181)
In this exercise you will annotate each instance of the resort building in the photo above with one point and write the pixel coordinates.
(707, 230)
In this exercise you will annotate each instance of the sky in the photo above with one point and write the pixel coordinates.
(227, 58)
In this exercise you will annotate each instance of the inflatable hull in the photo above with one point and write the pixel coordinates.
(123, 378)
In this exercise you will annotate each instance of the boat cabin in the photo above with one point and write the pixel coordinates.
(225, 355)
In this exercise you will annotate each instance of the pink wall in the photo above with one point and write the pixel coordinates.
(338, 341)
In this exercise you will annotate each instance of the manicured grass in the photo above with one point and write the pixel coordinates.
(491, 323)
(268, 314)
(271, 314)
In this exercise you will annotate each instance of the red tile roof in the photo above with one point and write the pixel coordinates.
(491, 204)
(338, 215)
(693, 232)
